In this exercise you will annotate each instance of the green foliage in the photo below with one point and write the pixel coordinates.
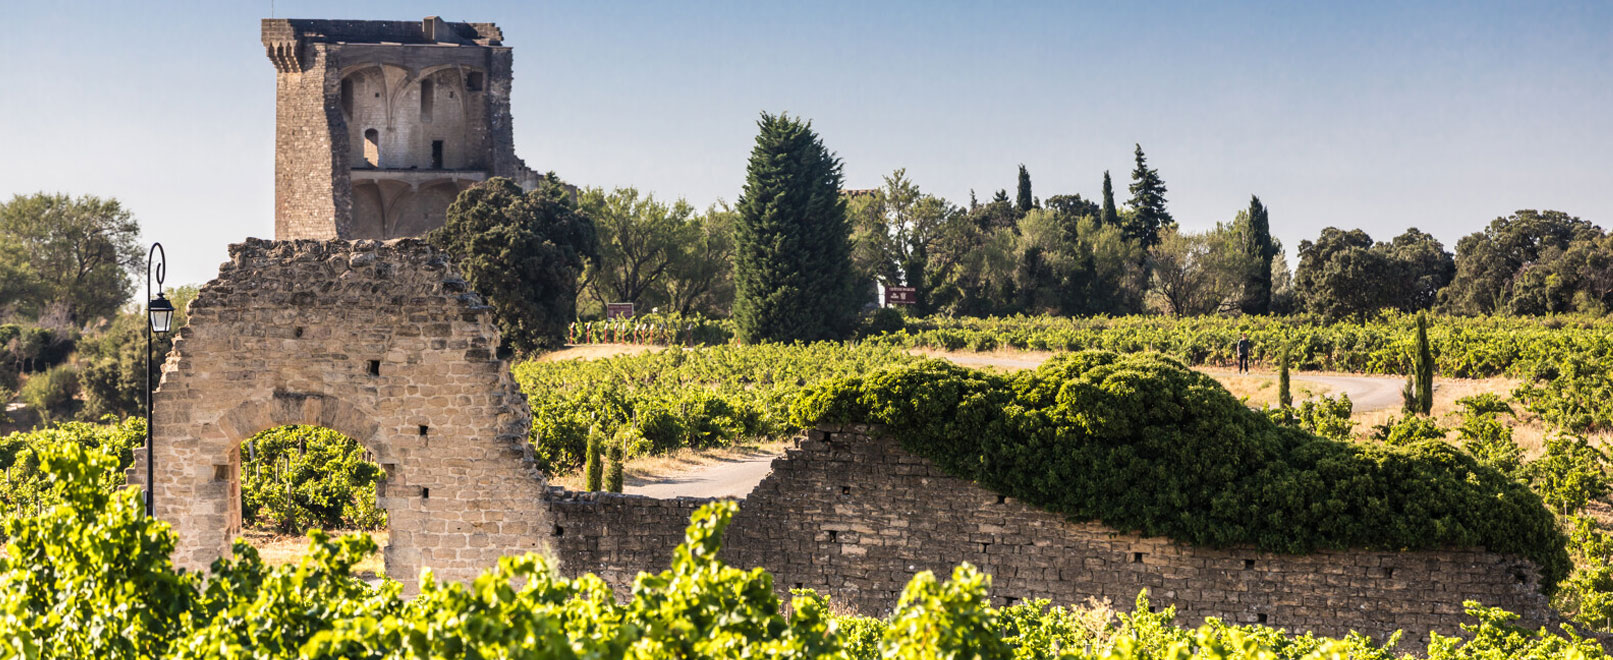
(945, 620)
(1579, 398)
(25, 487)
(1409, 429)
(113, 374)
(1077, 434)
(1463, 347)
(1485, 436)
(89, 576)
(31, 348)
(75, 252)
(1587, 594)
(92, 577)
(1487, 403)
(792, 266)
(1571, 473)
(295, 478)
(524, 252)
(1327, 416)
(675, 399)
(654, 328)
(52, 393)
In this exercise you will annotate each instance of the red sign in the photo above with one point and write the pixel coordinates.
(618, 310)
(901, 295)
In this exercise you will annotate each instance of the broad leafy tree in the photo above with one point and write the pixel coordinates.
(1202, 273)
(792, 267)
(1340, 275)
(639, 240)
(1346, 274)
(1148, 215)
(523, 251)
(1492, 264)
(78, 253)
(702, 279)
(1423, 269)
(897, 227)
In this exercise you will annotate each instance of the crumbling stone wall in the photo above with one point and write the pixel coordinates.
(380, 341)
(849, 513)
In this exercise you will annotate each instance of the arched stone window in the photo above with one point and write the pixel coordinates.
(372, 147)
(428, 98)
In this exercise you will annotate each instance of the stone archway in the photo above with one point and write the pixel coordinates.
(382, 342)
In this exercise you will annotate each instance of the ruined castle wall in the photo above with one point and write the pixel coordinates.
(379, 341)
(311, 190)
(380, 124)
(851, 514)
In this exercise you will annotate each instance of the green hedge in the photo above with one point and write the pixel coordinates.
(1143, 443)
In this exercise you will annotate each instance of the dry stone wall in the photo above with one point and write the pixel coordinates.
(380, 341)
(849, 513)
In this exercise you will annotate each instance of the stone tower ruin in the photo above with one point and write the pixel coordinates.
(380, 124)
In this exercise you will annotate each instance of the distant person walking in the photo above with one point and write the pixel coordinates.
(1243, 353)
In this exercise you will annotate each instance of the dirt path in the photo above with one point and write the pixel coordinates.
(737, 476)
(732, 477)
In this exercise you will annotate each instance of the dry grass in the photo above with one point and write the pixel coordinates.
(595, 351)
(655, 467)
(1260, 390)
(277, 549)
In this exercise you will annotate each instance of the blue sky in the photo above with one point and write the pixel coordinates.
(1371, 115)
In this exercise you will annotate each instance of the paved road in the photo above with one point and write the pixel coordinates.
(736, 477)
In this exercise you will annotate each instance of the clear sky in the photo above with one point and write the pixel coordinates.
(1356, 114)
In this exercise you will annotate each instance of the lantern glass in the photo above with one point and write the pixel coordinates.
(162, 314)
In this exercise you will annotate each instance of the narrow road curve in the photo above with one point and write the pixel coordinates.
(736, 477)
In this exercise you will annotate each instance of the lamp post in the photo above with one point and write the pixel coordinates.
(160, 314)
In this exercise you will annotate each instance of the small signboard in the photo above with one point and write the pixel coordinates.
(619, 310)
(901, 295)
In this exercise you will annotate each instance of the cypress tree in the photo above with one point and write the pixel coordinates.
(1110, 216)
(1147, 203)
(1024, 200)
(1260, 250)
(1425, 368)
(593, 470)
(1285, 396)
(613, 475)
(792, 263)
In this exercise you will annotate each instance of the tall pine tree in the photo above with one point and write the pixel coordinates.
(1260, 250)
(792, 264)
(1148, 214)
(1110, 217)
(1024, 201)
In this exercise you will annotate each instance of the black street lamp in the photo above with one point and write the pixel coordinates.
(160, 313)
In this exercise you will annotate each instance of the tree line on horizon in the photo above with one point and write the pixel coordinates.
(1065, 254)
(798, 257)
